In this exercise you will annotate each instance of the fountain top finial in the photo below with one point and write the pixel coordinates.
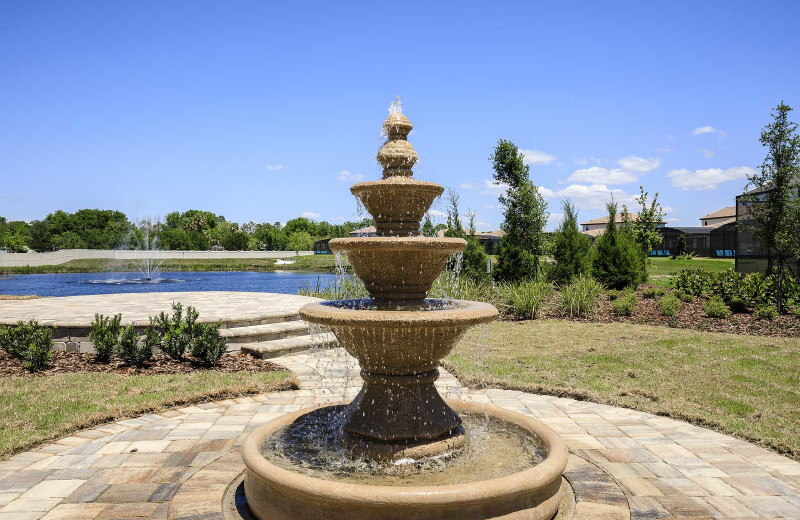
(397, 156)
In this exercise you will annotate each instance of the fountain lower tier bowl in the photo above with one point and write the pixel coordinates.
(530, 493)
(397, 204)
(398, 268)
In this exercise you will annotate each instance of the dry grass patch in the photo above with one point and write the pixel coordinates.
(743, 385)
(33, 410)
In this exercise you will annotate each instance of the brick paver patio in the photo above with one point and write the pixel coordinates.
(177, 464)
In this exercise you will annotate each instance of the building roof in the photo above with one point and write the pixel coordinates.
(594, 233)
(693, 230)
(618, 219)
(364, 231)
(726, 212)
(721, 222)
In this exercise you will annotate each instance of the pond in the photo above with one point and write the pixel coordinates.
(73, 284)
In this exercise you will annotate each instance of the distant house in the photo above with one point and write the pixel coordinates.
(369, 231)
(322, 247)
(720, 217)
(750, 257)
(595, 228)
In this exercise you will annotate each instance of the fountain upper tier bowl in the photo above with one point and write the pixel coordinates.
(398, 268)
(397, 204)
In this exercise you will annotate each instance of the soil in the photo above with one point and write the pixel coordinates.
(77, 363)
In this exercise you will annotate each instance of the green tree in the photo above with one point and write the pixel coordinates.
(644, 228)
(525, 215)
(236, 241)
(773, 200)
(300, 241)
(617, 261)
(571, 249)
(454, 227)
(427, 227)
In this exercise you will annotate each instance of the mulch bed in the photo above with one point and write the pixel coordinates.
(691, 315)
(77, 363)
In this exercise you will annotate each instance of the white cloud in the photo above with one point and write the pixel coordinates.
(337, 219)
(468, 185)
(594, 196)
(345, 175)
(435, 213)
(707, 179)
(491, 187)
(704, 130)
(597, 174)
(537, 157)
(309, 214)
(632, 163)
(707, 153)
(274, 166)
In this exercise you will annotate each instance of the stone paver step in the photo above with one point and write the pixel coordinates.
(267, 332)
(281, 347)
(265, 318)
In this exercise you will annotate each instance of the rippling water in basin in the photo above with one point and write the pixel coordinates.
(494, 448)
(368, 304)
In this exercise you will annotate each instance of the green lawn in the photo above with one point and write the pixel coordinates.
(664, 266)
(36, 409)
(743, 385)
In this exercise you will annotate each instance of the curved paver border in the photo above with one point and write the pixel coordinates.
(177, 464)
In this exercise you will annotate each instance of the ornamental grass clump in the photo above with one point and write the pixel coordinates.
(104, 335)
(526, 298)
(716, 308)
(653, 292)
(669, 305)
(683, 296)
(579, 297)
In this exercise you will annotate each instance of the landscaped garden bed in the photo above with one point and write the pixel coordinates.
(78, 363)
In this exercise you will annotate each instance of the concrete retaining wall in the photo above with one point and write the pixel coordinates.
(65, 255)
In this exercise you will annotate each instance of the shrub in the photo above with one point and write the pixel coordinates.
(104, 334)
(796, 311)
(39, 347)
(207, 345)
(176, 331)
(673, 321)
(669, 305)
(737, 305)
(716, 308)
(570, 248)
(613, 294)
(625, 305)
(683, 296)
(618, 261)
(766, 312)
(474, 260)
(130, 349)
(579, 297)
(526, 298)
(653, 292)
(28, 341)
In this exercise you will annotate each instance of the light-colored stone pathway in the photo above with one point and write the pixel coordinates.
(79, 311)
(177, 464)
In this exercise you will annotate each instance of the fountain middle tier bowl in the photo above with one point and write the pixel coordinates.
(397, 204)
(398, 342)
(398, 268)
(533, 493)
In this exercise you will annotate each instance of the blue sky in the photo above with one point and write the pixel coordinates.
(265, 111)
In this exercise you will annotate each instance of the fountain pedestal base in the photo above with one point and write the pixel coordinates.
(396, 415)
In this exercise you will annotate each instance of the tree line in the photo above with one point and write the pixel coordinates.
(189, 230)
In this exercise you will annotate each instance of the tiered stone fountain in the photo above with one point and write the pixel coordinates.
(399, 338)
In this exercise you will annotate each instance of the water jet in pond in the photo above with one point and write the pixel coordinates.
(399, 450)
